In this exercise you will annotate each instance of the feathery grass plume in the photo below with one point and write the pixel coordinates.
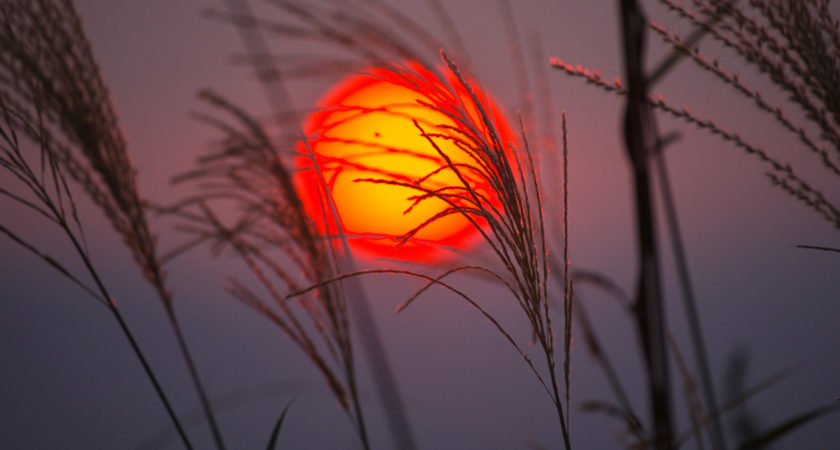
(47, 61)
(780, 174)
(377, 35)
(53, 95)
(365, 29)
(271, 232)
(498, 192)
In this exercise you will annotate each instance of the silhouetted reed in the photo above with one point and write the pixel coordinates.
(58, 127)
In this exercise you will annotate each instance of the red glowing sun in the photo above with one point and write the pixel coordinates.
(378, 139)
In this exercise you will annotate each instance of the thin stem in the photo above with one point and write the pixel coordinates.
(558, 402)
(690, 304)
(112, 306)
(147, 368)
(567, 281)
(191, 367)
(357, 407)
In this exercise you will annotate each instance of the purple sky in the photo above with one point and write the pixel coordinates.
(68, 380)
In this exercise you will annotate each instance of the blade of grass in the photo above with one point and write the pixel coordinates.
(741, 398)
(698, 415)
(784, 428)
(818, 247)
(275, 433)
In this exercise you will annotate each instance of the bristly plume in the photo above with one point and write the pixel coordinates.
(506, 208)
(51, 87)
(46, 60)
(270, 231)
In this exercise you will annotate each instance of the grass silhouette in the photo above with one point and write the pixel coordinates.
(61, 143)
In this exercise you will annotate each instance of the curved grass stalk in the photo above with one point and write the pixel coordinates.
(54, 202)
(437, 281)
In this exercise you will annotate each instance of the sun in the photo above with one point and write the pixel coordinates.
(378, 138)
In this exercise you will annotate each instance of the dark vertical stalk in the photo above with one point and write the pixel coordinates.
(640, 139)
(568, 294)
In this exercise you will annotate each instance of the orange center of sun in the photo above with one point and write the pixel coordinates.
(369, 128)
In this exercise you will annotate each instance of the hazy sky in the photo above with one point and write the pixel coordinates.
(69, 381)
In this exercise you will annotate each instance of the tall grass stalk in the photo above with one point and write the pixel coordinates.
(640, 140)
(52, 203)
